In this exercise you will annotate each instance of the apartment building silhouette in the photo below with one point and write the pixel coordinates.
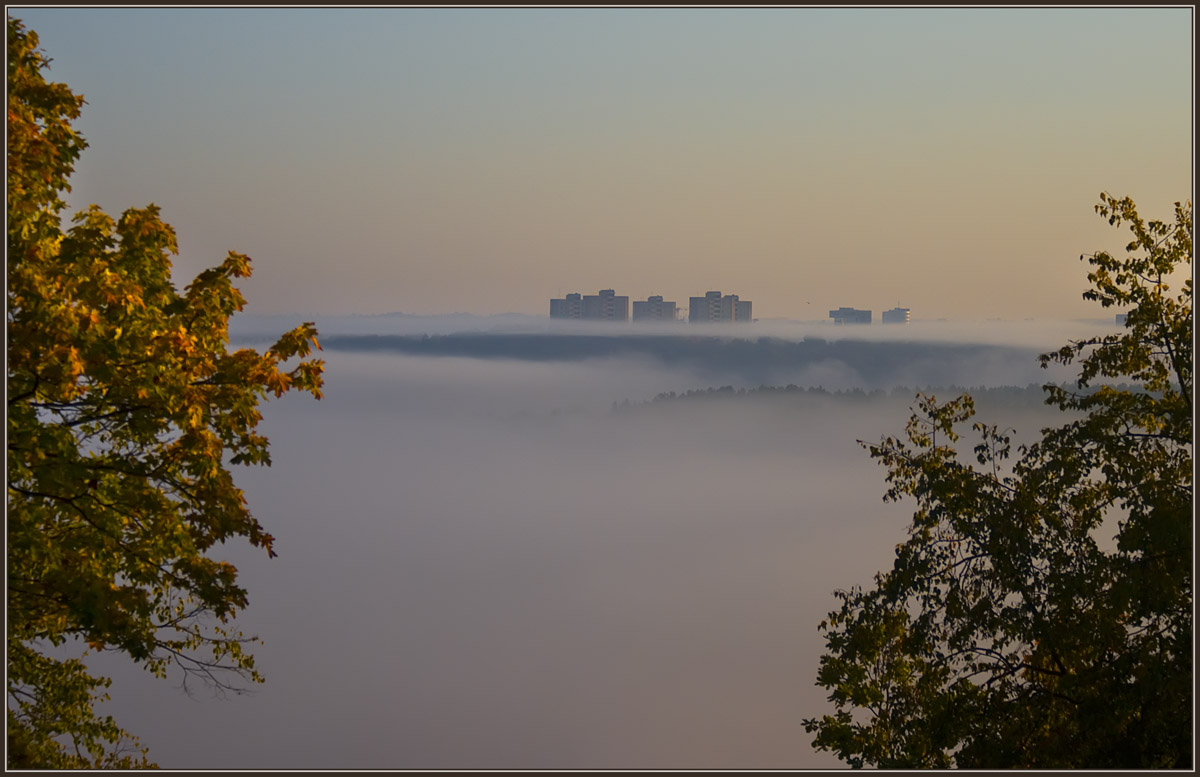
(605, 306)
(608, 306)
(844, 315)
(654, 309)
(714, 306)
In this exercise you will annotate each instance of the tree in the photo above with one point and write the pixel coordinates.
(124, 411)
(1039, 614)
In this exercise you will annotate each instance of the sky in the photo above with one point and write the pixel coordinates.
(484, 160)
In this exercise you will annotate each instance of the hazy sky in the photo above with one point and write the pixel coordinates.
(485, 160)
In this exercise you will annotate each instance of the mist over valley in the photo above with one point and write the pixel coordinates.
(503, 550)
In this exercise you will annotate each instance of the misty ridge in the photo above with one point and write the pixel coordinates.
(995, 397)
(775, 352)
(762, 360)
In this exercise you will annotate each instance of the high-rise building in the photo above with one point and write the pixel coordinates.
(654, 309)
(570, 307)
(715, 307)
(706, 308)
(846, 315)
(896, 316)
(606, 306)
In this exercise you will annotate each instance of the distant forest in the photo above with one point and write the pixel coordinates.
(1031, 395)
(763, 360)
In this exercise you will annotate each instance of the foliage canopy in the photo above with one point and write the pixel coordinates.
(1040, 613)
(124, 410)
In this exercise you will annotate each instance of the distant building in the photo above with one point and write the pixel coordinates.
(1122, 318)
(606, 306)
(654, 309)
(706, 308)
(570, 307)
(715, 307)
(894, 316)
(850, 316)
(734, 309)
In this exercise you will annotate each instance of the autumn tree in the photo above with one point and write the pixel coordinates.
(1039, 614)
(125, 410)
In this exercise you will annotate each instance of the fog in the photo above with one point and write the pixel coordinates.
(1023, 333)
(484, 564)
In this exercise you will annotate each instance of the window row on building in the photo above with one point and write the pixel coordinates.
(607, 306)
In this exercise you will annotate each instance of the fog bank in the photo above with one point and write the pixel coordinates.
(481, 565)
(1038, 334)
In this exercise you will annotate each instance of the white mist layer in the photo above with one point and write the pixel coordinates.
(469, 579)
(1040, 334)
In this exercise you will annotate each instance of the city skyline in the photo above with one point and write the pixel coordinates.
(607, 305)
(464, 159)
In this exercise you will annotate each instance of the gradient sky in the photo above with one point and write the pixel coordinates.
(485, 160)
